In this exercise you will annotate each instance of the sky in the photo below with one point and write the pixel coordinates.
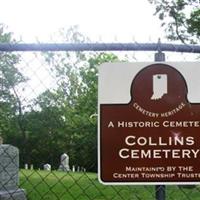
(105, 20)
(100, 20)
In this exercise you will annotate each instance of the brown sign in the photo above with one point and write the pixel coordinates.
(155, 138)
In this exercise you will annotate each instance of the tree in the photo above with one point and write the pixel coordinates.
(62, 119)
(181, 19)
(45, 136)
(10, 78)
(64, 115)
(86, 106)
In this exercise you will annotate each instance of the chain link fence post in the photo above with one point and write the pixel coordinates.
(160, 189)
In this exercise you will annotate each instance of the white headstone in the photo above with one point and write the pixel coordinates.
(31, 168)
(78, 169)
(64, 163)
(47, 167)
(9, 178)
(73, 168)
(26, 166)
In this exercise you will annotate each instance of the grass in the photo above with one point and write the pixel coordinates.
(57, 185)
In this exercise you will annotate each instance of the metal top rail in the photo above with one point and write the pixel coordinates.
(100, 47)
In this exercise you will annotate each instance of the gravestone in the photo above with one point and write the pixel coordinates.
(47, 167)
(26, 166)
(73, 168)
(31, 167)
(64, 163)
(9, 178)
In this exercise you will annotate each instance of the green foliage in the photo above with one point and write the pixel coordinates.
(194, 23)
(64, 122)
(5, 37)
(10, 78)
(62, 118)
(181, 19)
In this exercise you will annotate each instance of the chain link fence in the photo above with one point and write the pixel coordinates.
(48, 125)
